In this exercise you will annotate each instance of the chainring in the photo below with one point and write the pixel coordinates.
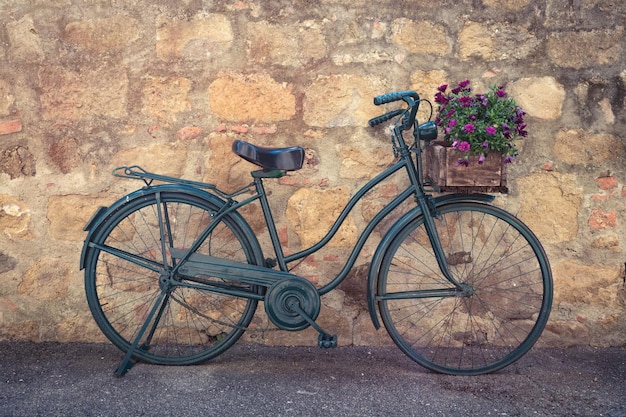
(281, 294)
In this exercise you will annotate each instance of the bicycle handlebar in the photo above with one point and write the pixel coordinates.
(411, 98)
(383, 118)
(399, 95)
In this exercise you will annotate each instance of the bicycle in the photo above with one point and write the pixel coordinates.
(173, 272)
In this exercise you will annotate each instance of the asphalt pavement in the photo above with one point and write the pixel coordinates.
(46, 379)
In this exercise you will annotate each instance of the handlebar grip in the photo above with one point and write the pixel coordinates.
(383, 118)
(399, 95)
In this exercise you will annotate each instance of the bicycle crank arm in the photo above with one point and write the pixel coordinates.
(207, 265)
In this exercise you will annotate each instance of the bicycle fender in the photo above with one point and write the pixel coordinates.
(372, 277)
(103, 213)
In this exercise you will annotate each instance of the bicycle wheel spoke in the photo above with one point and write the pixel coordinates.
(507, 299)
(130, 264)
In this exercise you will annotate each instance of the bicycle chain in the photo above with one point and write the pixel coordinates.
(234, 326)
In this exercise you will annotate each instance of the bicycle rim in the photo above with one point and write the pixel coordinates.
(503, 263)
(122, 281)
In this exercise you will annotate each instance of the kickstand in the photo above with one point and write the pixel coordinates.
(128, 362)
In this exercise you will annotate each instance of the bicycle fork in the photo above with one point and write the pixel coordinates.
(429, 212)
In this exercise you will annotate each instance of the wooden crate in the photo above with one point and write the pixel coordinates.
(441, 171)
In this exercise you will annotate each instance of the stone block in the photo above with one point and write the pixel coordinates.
(508, 5)
(25, 44)
(564, 333)
(420, 37)
(47, 280)
(341, 100)
(223, 168)
(586, 284)
(166, 159)
(22, 330)
(311, 212)
(495, 42)
(7, 263)
(10, 126)
(17, 162)
(6, 98)
(609, 242)
(165, 97)
(103, 35)
(65, 154)
(68, 214)
(425, 83)
(188, 133)
(71, 95)
(358, 162)
(582, 147)
(607, 183)
(197, 38)
(475, 40)
(79, 326)
(253, 98)
(540, 97)
(601, 219)
(549, 205)
(15, 218)
(287, 45)
(582, 49)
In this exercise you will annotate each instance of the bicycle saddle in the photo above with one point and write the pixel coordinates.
(286, 159)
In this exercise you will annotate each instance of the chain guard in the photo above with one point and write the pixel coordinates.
(284, 292)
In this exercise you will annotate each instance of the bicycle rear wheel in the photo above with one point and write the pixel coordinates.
(503, 263)
(130, 262)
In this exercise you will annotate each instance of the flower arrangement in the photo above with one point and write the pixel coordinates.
(475, 124)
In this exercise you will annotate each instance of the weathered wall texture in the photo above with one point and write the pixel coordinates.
(86, 86)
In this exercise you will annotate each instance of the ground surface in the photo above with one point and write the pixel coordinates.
(78, 380)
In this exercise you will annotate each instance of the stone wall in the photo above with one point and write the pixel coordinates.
(87, 86)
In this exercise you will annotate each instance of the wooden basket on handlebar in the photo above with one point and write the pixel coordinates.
(442, 172)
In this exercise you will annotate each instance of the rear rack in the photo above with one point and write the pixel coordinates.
(135, 172)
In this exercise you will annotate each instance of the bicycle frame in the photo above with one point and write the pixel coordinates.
(197, 293)
(254, 274)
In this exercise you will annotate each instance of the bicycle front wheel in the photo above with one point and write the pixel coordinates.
(504, 309)
(130, 263)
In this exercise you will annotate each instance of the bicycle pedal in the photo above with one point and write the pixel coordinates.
(325, 341)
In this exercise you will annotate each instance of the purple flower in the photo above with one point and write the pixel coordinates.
(469, 128)
(485, 145)
(519, 116)
(464, 146)
(442, 87)
(500, 92)
(452, 123)
(450, 113)
(472, 117)
(506, 131)
(441, 98)
(461, 162)
(466, 101)
(481, 159)
(490, 130)
(464, 84)
(508, 159)
(455, 143)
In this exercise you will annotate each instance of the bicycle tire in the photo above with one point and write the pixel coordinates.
(504, 263)
(192, 325)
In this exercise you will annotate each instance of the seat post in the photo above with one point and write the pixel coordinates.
(269, 221)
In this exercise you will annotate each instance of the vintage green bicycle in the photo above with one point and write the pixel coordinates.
(173, 273)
